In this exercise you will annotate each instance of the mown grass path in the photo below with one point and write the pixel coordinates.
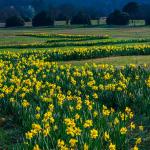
(117, 61)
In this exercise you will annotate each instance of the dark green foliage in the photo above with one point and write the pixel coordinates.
(42, 19)
(81, 18)
(132, 9)
(147, 21)
(118, 18)
(14, 21)
(26, 19)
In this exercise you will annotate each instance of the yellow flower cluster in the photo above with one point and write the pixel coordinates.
(66, 107)
(76, 53)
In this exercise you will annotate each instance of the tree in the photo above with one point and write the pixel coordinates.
(14, 21)
(145, 10)
(53, 12)
(26, 11)
(94, 13)
(145, 13)
(26, 19)
(81, 18)
(42, 19)
(132, 9)
(118, 18)
(67, 11)
(8, 12)
(147, 21)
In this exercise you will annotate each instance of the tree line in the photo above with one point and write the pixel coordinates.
(131, 11)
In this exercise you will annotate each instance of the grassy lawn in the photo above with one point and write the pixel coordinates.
(20, 40)
(116, 61)
(8, 35)
(115, 32)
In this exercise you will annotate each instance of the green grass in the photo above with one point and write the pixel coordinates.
(116, 61)
(8, 36)
(114, 31)
(10, 132)
(4, 138)
(11, 40)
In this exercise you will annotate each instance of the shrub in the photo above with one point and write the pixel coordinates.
(14, 21)
(42, 19)
(118, 18)
(81, 18)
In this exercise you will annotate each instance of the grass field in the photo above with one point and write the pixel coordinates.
(116, 32)
(116, 61)
(75, 88)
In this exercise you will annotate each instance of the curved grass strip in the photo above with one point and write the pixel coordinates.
(101, 42)
(70, 40)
